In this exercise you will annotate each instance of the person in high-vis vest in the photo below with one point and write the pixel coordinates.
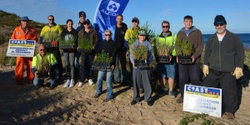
(49, 32)
(23, 32)
(167, 70)
(50, 66)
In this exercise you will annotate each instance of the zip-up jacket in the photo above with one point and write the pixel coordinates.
(169, 40)
(50, 58)
(224, 55)
(119, 36)
(195, 37)
(50, 31)
(93, 36)
(131, 34)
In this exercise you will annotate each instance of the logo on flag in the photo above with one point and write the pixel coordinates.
(113, 6)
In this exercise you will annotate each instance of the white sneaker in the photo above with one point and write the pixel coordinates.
(91, 82)
(66, 84)
(80, 84)
(72, 82)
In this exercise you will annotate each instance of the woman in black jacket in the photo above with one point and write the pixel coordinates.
(69, 34)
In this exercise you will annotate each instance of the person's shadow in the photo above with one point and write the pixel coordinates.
(242, 83)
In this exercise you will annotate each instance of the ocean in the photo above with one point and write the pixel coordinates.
(245, 38)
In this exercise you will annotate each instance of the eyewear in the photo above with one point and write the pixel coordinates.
(165, 26)
(107, 34)
(50, 19)
(221, 24)
(134, 21)
(42, 49)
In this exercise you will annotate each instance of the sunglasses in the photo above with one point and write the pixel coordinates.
(50, 19)
(165, 26)
(220, 24)
(134, 21)
(42, 49)
(107, 34)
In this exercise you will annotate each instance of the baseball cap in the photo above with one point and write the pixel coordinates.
(135, 19)
(82, 13)
(86, 21)
(142, 33)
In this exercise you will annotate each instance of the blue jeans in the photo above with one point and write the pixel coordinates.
(38, 82)
(108, 81)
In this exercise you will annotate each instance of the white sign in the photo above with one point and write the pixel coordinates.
(200, 99)
(22, 48)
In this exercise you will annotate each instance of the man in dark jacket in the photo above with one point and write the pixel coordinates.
(120, 76)
(190, 72)
(223, 64)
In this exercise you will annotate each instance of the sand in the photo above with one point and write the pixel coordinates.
(23, 104)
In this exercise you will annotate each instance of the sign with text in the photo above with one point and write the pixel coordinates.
(200, 99)
(22, 48)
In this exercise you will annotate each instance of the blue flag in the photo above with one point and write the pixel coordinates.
(105, 16)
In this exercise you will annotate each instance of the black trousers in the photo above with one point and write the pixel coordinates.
(227, 82)
(188, 73)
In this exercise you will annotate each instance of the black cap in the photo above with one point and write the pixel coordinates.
(135, 19)
(86, 21)
(82, 13)
(219, 19)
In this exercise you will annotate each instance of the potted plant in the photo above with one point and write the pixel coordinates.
(84, 45)
(102, 61)
(140, 54)
(162, 52)
(43, 69)
(51, 41)
(184, 50)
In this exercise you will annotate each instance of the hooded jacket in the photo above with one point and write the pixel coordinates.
(195, 37)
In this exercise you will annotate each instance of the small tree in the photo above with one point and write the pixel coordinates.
(150, 34)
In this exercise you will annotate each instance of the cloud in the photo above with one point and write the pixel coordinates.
(167, 12)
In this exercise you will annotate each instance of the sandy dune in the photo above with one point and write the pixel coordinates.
(26, 105)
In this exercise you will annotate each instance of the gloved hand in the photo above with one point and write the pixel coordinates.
(205, 70)
(238, 72)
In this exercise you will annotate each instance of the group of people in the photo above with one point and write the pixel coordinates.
(222, 66)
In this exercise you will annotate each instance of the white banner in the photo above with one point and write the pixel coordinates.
(200, 99)
(22, 48)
